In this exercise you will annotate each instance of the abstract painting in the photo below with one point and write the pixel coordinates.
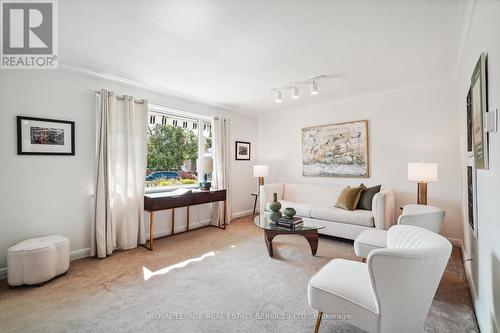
(336, 150)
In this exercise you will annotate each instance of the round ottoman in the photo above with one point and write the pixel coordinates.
(37, 260)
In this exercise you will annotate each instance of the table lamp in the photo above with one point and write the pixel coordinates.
(422, 173)
(205, 165)
(260, 171)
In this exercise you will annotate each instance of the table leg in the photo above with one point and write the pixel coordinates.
(254, 206)
(312, 237)
(173, 221)
(225, 212)
(151, 230)
(268, 238)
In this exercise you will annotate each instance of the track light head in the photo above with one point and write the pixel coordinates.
(279, 97)
(295, 92)
(314, 87)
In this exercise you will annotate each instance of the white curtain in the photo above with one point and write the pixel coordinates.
(221, 172)
(121, 150)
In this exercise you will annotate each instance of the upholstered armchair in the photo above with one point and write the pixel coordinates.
(427, 217)
(392, 291)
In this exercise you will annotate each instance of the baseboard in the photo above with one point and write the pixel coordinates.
(73, 255)
(79, 254)
(242, 213)
(484, 323)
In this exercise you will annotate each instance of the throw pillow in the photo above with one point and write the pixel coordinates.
(348, 198)
(366, 197)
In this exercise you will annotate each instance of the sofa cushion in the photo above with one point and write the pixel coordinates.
(349, 197)
(366, 197)
(358, 217)
(302, 209)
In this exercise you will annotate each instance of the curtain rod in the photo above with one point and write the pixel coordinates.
(120, 97)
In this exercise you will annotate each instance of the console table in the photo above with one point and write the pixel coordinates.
(167, 200)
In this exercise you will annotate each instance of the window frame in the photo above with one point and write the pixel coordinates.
(189, 116)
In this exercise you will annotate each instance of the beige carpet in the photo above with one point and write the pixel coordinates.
(231, 285)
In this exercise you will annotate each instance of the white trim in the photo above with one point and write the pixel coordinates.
(73, 255)
(478, 309)
(79, 254)
(177, 112)
(142, 85)
(241, 214)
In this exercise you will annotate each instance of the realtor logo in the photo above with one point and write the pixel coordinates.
(29, 34)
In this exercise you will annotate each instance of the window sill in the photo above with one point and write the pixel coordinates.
(156, 189)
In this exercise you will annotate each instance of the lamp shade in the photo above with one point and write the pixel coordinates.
(205, 164)
(423, 172)
(260, 170)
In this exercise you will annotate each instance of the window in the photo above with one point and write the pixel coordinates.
(174, 145)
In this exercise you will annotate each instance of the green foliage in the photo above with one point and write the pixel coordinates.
(170, 182)
(169, 147)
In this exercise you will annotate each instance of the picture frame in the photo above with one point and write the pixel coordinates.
(44, 136)
(336, 150)
(471, 197)
(469, 122)
(242, 151)
(479, 107)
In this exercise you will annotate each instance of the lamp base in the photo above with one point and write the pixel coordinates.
(261, 181)
(422, 193)
(205, 185)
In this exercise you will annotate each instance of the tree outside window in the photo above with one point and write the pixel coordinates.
(172, 151)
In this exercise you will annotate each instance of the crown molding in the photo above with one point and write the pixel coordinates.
(142, 85)
(467, 9)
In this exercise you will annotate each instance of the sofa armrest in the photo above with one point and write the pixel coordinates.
(383, 209)
(266, 194)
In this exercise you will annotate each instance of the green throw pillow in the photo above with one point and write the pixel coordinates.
(366, 197)
(348, 198)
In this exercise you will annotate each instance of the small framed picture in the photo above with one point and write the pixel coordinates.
(242, 151)
(39, 136)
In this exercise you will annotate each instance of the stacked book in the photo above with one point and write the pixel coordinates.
(290, 223)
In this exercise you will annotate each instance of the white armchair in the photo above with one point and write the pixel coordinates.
(393, 291)
(427, 217)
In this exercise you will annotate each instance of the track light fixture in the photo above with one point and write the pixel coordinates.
(294, 86)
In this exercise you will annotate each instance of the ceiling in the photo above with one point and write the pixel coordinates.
(234, 51)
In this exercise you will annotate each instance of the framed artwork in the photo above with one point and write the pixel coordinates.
(479, 104)
(471, 199)
(40, 136)
(469, 122)
(242, 151)
(336, 150)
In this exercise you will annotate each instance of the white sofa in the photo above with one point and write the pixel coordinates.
(316, 203)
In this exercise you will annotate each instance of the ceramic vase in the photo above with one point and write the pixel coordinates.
(275, 207)
(289, 212)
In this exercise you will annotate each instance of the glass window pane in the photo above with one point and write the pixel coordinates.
(207, 139)
(172, 151)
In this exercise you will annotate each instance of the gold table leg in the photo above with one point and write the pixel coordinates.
(318, 322)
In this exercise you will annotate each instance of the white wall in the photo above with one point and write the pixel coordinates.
(416, 124)
(42, 195)
(484, 269)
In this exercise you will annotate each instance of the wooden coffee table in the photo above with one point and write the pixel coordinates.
(271, 230)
